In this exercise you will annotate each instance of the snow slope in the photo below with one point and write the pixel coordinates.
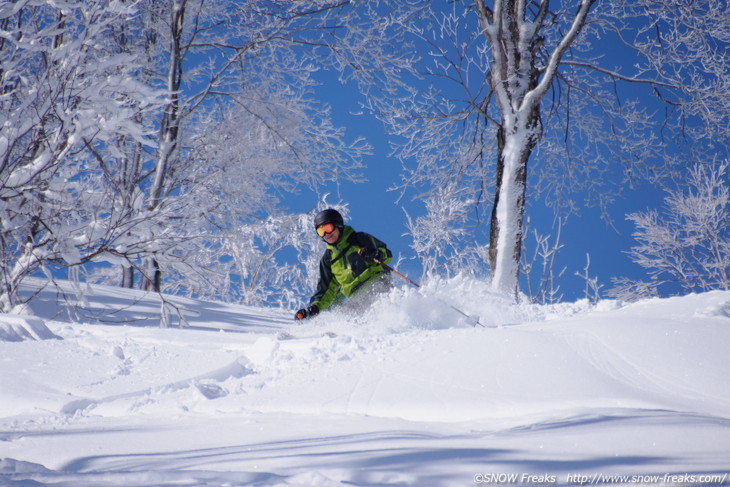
(410, 395)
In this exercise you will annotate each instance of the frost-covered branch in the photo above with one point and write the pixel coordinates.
(687, 246)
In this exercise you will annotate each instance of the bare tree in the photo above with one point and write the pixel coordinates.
(521, 75)
(687, 245)
(502, 83)
(539, 271)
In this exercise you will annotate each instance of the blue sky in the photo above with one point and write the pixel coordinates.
(377, 210)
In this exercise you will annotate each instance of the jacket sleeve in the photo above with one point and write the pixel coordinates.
(327, 288)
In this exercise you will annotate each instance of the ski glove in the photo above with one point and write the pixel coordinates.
(308, 312)
(369, 253)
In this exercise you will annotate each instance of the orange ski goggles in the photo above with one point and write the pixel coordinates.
(322, 230)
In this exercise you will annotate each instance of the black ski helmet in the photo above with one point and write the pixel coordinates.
(329, 216)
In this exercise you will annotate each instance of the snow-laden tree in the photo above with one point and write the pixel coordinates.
(147, 133)
(239, 124)
(687, 244)
(63, 91)
(590, 96)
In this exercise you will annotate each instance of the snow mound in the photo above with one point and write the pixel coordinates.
(15, 328)
(11, 466)
(720, 309)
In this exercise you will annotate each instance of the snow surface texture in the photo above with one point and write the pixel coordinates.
(409, 395)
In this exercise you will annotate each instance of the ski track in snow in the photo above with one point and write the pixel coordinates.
(410, 396)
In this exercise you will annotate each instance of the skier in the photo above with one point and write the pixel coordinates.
(350, 267)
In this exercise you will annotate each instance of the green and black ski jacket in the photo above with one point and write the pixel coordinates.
(342, 271)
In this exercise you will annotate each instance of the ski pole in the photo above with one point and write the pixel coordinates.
(390, 269)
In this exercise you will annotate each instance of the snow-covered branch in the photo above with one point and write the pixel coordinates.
(687, 246)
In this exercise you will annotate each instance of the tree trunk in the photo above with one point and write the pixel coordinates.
(153, 278)
(128, 277)
(508, 212)
(169, 130)
(493, 222)
(519, 80)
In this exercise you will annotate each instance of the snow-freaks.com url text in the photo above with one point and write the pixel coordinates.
(601, 479)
